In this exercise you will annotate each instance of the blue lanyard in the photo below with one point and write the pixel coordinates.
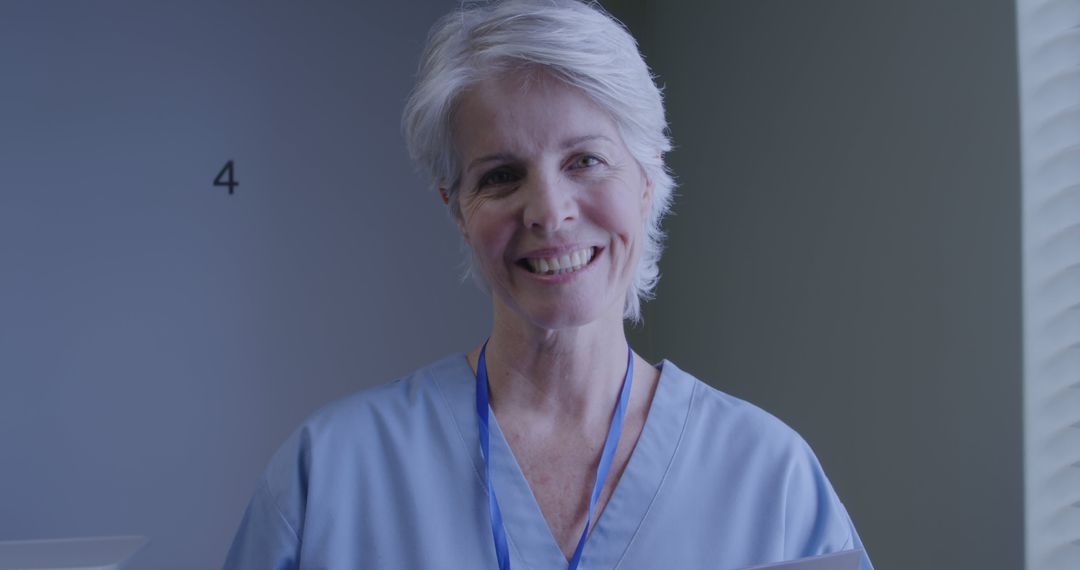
(497, 530)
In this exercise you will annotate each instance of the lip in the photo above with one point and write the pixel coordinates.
(556, 251)
(552, 252)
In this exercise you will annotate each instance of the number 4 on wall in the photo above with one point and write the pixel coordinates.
(230, 182)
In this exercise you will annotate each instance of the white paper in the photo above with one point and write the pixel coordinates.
(106, 553)
(845, 560)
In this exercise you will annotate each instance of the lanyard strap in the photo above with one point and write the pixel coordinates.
(606, 457)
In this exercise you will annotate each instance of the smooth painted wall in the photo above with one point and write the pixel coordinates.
(159, 338)
(845, 249)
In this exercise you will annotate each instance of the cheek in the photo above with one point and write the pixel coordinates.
(620, 215)
(487, 235)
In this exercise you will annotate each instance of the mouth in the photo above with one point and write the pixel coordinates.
(561, 264)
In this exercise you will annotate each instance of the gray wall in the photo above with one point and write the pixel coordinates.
(845, 249)
(159, 338)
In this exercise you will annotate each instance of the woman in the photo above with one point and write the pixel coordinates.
(551, 445)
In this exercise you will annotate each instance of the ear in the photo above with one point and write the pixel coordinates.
(445, 195)
(647, 196)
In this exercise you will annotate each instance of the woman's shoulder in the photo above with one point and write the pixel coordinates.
(358, 441)
(715, 409)
(724, 426)
(761, 455)
(403, 412)
(389, 404)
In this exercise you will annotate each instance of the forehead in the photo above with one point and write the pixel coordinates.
(525, 112)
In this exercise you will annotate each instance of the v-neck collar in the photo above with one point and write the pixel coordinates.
(530, 540)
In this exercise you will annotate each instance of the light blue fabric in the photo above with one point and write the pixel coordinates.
(392, 477)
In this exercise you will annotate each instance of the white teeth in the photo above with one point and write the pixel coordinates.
(563, 264)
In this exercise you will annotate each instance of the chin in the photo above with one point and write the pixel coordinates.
(562, 316)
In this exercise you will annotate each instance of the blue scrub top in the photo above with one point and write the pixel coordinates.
(392, 477)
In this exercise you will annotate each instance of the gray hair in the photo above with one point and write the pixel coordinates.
(576, 42)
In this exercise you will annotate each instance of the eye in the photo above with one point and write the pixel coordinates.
(586, 160)
(497, 177)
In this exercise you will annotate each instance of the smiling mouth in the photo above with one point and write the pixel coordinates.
(561, 264)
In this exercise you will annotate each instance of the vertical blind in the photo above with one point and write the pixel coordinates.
(1048, 34)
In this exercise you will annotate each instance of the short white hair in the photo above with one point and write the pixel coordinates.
(576, 42)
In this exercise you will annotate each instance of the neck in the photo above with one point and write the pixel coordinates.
(562, 377)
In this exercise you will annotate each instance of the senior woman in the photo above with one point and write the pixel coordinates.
(551, 445)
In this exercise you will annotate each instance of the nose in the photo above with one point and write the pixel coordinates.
(549, 203)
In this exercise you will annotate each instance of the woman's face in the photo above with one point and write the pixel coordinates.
(552, 202)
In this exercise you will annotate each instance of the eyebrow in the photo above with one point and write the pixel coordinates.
(574, 141)
(497, 157)
(504, 156)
